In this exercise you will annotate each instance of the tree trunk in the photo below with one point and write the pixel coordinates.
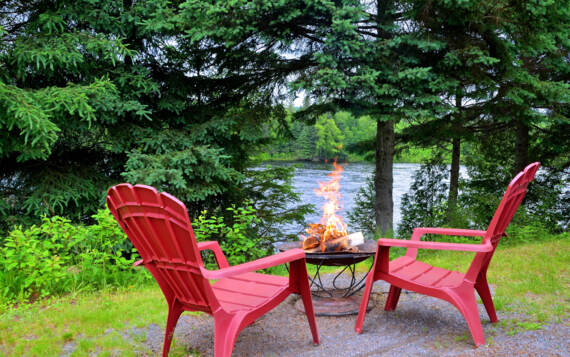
(521, 147)
(383, 202)
(455, 158)
(454, 178)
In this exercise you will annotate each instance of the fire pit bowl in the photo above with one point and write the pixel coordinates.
(335, 301)
(342, 258)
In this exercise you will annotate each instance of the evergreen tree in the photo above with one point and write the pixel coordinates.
(424, 205)
(97, 92)
(67, 96)
(307, 142)
(361, 217)
(347, 54)
(329, 138)
(501, 66)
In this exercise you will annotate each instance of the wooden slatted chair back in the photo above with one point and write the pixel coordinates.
(507, 208)
(159, 227)
(510, 203)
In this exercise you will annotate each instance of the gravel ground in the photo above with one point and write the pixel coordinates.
(420, 326)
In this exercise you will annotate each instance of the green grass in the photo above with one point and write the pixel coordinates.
(531, 279)
(93, 323)
(415, 155)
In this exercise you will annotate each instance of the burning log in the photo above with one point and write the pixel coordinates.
(310, 242)
(334, 245)
(348, 243)
(327, 239)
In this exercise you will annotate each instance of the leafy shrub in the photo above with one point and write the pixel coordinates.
(238, 240)
(548, 200)
(58, 257)
(526, 228)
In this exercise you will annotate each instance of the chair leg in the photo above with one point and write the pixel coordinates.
(483, 289)
(298, 271)
(174, 312)
(308, 304)
(467, 305)
(226, 329)
(393, 297)
(364, 302)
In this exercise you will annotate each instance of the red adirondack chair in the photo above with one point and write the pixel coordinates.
(159, 227)
(459, 289)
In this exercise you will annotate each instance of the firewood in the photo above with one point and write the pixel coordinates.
(334, 245)
(355, 239)
(310, 242)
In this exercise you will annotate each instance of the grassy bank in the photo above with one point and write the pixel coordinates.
(414, 155)
(531, 279)
(105, 322)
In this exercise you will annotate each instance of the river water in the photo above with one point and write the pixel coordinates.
(353, 178)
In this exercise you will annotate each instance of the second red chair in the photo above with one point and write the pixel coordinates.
(457, 288)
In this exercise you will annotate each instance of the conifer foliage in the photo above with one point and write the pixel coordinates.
(66, 97)
(97, 92)
(176, 94)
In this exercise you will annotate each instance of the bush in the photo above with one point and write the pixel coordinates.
(238, 240)
(539, 216)
(58, 257)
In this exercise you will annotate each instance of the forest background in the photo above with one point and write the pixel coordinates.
(188, 96)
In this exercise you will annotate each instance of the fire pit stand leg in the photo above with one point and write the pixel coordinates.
(339, 300)
(354, 286)
(318, 283)
(331, 295)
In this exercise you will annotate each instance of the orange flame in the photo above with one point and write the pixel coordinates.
(330, 191)
(333, 225)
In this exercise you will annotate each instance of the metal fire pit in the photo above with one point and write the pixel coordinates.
(335, 301)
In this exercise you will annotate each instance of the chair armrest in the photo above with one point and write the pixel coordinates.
(418, 232)
(270, 261)
(214, 246)
(138, 262)
(479, 248)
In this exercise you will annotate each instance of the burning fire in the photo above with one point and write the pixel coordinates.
(331, 226)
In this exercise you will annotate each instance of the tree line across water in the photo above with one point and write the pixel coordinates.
(185, 95)
(334, 136)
